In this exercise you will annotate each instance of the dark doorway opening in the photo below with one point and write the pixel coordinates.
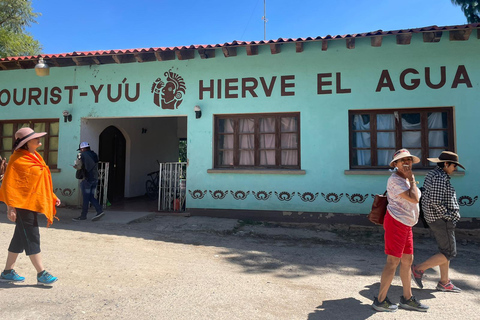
(182, 150)
(112, 149)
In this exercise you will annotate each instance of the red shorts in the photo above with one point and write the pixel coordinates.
(398, 237)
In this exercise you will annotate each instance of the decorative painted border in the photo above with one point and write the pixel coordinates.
(218, 194)
(284, 195)
(307, 196)
(240, 195)
(197, 194)
(67, 192)
(332, 197)
(357, 197)
(467, 201)
(262, 195)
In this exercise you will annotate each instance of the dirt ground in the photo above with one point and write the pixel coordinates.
(175, 268)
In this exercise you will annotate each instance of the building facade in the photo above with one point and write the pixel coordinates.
(288, 129)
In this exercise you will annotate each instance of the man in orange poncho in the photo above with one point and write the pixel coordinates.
(27, 190)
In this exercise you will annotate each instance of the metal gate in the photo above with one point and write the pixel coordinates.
(102, 187)
(172, 186)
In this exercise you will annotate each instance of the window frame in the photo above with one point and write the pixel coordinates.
(424, 163)
(256, 133)
(45, 140)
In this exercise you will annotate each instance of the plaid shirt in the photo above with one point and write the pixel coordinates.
(439, 199)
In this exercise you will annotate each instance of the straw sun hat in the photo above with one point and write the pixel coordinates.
(403, 153)
(24, 135)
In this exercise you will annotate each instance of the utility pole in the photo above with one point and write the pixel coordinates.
(264, 18)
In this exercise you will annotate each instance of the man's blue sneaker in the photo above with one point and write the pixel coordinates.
(11, 277)
(46, 279)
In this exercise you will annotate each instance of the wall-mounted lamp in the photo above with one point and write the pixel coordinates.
(67, 116)
(198, 112)
(41, 68)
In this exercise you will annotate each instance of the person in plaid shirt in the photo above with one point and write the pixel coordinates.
(441, 210)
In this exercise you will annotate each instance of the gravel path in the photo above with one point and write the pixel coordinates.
(163, 269)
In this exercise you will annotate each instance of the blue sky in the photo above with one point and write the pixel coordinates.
(88, 25)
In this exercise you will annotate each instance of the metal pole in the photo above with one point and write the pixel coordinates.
(105, 184)
(175, 187)
(264, 19)
(170, 173)
(159, 187)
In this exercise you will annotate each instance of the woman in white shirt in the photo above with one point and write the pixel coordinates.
(402, 214)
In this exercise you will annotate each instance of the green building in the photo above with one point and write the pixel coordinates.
(289, 129)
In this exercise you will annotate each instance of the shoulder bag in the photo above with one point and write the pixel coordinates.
(379, 208)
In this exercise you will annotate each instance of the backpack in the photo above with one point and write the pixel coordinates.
(80, 174)
(3, 167)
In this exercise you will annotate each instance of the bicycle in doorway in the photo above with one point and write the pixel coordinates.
(152, 185)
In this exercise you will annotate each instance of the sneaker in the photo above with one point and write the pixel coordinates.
(386, 305)
(412, 304)
(449, 287)
(79, 218)
(11, 277)
(417, 276)
(98, 216)
(46, 279)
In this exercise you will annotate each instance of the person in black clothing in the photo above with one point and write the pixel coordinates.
(88, 185)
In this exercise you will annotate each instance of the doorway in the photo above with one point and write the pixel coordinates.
(112, 149)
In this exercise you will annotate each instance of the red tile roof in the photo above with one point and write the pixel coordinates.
(235, 43)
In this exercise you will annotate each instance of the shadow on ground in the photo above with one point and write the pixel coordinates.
(265, 249)
(348, 308)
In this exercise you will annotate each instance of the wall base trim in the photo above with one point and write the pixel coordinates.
(305, 217)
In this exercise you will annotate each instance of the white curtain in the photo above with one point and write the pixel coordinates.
(227, 142)
(410, 139)
(436, 138)
(247, 142)
(267, 138)
(385, 139)
(362, 139)
(267, 141)
(289, 141)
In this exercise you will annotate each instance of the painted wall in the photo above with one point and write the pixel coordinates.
(324, 117)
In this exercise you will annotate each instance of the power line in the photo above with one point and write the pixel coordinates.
(256, 3)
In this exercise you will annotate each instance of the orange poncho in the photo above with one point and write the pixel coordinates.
(27, 184)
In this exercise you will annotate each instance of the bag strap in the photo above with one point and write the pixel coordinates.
(385, 193)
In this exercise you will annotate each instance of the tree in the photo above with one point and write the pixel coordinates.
(15, 17)
(471, 9)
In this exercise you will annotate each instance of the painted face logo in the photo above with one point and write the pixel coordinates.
(169, 95)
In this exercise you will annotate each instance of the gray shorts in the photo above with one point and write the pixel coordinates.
(444, 232)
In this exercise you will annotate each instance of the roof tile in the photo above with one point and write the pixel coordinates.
(243, 43)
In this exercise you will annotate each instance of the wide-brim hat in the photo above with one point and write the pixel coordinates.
(24, 135)
(403, 153)
(447, 156)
